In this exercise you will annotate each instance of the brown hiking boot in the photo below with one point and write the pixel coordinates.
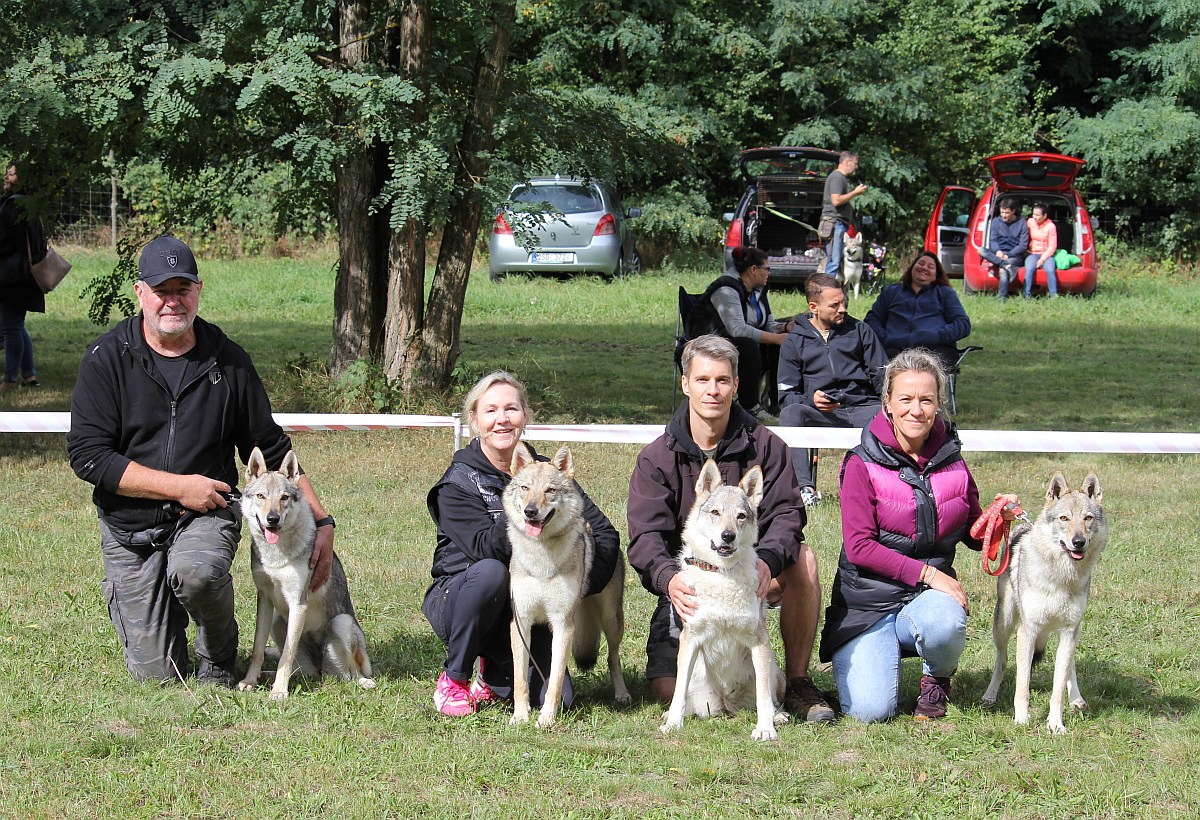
(805, 701)
(934, 698)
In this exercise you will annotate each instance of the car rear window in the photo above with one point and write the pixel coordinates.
(567, 199)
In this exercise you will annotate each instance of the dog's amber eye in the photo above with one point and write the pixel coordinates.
(284, 497)
(260, 496)
(741, 516)
(1064, 518)
(1088, 517)
(551, 491)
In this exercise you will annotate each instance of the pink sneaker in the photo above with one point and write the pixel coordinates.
(452, 697)
(482, 693)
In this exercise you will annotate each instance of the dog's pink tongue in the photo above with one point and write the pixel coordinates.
(533, 528)
(271, 535)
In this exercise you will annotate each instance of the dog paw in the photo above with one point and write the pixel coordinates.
(764, 733)
(1021, 719)
(1079, 703)
(1056, 727)
(988, 699)
(519, 718)
(279, 695)
(247, 685)
(670, 726)
(366, 683)
(545, 721)
(623, 698)
(782, 717)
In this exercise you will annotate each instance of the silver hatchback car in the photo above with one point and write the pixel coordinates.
(563, 225)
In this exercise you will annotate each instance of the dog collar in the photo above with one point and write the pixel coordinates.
(698, 564)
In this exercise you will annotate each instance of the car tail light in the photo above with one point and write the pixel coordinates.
(980, 223)
(501, 226)
(1085, 232)
(733, 236)
(607, 226)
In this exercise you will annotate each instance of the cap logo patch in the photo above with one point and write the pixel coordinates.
(172, 261)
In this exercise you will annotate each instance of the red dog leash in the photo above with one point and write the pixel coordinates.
(992, 529)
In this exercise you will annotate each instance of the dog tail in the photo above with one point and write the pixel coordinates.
(587, 643)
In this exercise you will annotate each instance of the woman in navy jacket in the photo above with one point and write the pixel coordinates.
(922, 310)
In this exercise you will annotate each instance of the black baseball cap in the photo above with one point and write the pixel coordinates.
(166, 258)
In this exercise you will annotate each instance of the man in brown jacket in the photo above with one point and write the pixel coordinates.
(662, 492)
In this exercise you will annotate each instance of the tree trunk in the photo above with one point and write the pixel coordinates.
(406, 250)
(354, 305)
(428, 362)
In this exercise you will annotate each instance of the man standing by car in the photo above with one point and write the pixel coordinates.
(160, 403)
(837, 209)
(830, 372)
(1007, 242)
(662, 491)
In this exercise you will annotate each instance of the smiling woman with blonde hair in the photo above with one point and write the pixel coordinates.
(467, 604)
(907, 500)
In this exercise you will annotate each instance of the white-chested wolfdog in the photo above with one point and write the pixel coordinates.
(315, 628)
(1045, 590)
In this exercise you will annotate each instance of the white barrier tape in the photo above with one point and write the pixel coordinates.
(1011, 441)
(307, 422)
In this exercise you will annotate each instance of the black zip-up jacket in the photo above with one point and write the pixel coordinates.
(123, 411)
(852, 359)
(466, 507)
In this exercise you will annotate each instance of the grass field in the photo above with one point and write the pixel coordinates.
(81, 739)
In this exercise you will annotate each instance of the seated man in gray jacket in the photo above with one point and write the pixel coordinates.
(830, 371)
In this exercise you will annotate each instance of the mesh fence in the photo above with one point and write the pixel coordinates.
(86, 215)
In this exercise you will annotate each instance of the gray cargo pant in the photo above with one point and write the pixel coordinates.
(151, 592)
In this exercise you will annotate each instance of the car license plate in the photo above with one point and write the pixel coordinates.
(553, 258)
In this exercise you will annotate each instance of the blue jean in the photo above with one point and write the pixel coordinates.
(867, 668)
(836, 242)
(18, 347)
(1031, 266)
(1008, 269)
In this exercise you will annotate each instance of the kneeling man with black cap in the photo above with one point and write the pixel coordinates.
(161, 402)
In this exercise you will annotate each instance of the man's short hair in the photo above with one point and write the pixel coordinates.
(1009, 203)
(819, 282)
(710, 347)
(845, 155)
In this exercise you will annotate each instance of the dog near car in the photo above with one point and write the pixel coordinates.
(852, 261)
(315, 629)
(725, 658)
(1045, 590)
(552, 552)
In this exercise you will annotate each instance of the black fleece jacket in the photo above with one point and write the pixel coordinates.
(466, 507)
(122, 411)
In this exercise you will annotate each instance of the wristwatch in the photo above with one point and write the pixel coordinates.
(327, 521)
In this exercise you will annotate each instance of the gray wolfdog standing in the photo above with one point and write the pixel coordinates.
(552, 550)
(1045, 589)
(725, 659)
(315, 629)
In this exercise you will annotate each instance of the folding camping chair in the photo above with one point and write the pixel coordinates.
(687, 303)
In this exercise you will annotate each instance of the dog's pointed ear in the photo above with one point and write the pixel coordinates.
(752, 485)
(1058, 487)
(1091, 488)
(256, 466)
(520, 459)
(563, 462)
(710, 479)
(291, 467)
